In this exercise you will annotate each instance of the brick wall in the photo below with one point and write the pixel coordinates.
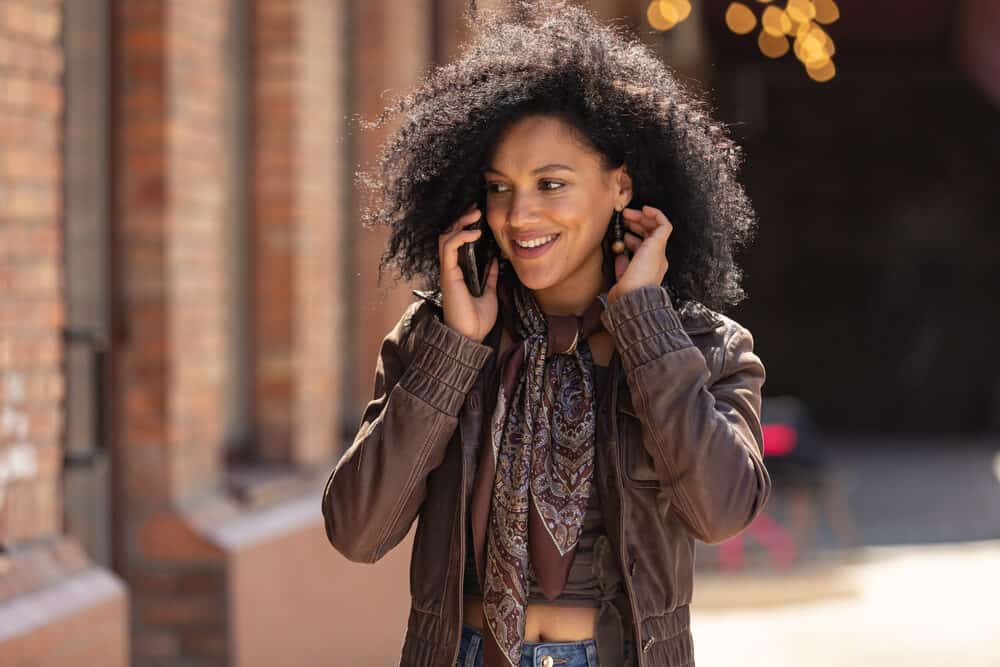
(170, 338)
(177, 179)
(56, 608)
(169, 238)
(391, 49)
(298, 244)
(31, 305)
(194, 252)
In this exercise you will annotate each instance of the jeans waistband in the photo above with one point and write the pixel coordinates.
(581, 653)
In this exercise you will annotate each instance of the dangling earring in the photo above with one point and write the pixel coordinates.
(618, 246)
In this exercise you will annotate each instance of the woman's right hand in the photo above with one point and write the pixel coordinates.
(468, 315)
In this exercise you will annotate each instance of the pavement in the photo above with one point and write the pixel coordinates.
(890, 606)
(918, 585)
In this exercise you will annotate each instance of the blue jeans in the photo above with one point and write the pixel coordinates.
(564, 654)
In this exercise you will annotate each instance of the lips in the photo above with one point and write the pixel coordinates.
(535, 251)
(536, 241)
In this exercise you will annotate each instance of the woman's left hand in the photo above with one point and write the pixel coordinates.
(646, 237)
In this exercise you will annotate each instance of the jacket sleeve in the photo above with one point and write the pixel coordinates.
(705, 438)
(424, 371)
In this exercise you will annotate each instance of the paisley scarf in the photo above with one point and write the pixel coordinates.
(533, 481)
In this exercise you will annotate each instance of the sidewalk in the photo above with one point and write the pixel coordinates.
(890, 606)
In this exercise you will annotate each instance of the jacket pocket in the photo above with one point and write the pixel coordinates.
(635, 460)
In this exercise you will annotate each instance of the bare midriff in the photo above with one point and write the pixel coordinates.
(543, 622)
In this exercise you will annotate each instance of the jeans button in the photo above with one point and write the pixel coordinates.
(547, 661)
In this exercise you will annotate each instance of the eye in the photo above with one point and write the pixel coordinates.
(550, 182)
(490, 187)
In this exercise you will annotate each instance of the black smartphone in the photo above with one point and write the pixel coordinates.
(474, 257)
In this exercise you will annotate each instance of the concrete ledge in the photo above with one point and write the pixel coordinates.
(291, 598)
(80, 620)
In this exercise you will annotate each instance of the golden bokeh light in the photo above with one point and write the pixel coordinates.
(823, 73)
(826, 11)
(775, 22)
(740, 18)
(662, 15)
(665, 14)
(813, 46)
(801, 11)
(794, 27)
(684, 7)
(772, 46)
(824, 36)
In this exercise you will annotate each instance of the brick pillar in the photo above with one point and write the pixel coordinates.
(392, 48)
(298, 241)
(32, 310)
(170, 298)
(174, 179)
(169, 238)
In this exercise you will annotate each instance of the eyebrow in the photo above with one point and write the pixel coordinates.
(546, 167)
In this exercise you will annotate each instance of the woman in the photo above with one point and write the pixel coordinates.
(568, 433)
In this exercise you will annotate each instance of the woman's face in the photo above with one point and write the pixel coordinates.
(547, 190)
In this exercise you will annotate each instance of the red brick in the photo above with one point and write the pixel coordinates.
(188, 610)
(29, 315)
(152, 644)
(205, 643)
(29, 278)
(28, 165)
(169, 537)
(26, 352)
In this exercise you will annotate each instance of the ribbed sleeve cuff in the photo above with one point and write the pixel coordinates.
(444, 367)
(645, 326)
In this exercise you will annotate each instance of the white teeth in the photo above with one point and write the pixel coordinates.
(534, 243)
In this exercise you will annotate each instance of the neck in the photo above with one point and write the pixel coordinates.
(575, 294)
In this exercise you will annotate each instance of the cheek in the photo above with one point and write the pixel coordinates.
(496, 232)
(494, 216)
(589, 233)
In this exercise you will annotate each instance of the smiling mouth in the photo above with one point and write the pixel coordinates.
(537, 243)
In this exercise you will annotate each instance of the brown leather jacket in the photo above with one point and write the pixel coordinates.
(681, 460)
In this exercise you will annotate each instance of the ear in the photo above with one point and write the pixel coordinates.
(623, 186)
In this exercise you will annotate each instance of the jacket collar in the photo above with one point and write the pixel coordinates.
(695, 316)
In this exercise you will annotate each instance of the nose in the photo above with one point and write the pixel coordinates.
(522, 211)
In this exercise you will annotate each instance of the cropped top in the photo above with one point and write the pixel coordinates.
(581, 587)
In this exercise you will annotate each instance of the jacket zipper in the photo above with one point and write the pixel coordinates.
(461, 550)
(640, 650)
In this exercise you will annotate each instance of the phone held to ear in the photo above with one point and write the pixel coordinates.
(474, 257)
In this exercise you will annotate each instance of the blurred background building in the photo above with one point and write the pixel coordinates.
(189, 314)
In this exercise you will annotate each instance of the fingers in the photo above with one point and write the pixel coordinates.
(457, 235)
(492, 275)
(649, 227)
(466, 219)
(621, 263)
(645, 221)
(632, 241)
(450, 246)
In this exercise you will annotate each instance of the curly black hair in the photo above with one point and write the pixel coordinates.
(553, 58)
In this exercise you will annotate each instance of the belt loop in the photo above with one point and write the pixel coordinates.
(472, 657)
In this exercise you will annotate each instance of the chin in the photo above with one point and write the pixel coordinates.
(534, 279)
(531, 279)
(534, 286)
